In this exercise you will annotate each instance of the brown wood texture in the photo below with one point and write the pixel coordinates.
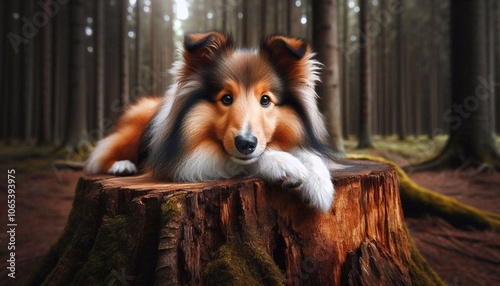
(143, 232)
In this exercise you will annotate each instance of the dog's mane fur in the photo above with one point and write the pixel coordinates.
(165, 136)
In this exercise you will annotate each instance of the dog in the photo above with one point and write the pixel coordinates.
(229, 112)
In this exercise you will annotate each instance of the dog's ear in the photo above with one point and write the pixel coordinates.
(280, 47)
(200, 49)
(289, 55)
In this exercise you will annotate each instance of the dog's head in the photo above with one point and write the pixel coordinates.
(249, 100)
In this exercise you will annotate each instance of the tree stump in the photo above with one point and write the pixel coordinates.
(134, 231)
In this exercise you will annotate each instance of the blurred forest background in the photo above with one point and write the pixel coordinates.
(68, 68)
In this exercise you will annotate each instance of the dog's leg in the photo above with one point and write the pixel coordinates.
(117, 153)
(113, 155)
(279, 166)
(318, 189)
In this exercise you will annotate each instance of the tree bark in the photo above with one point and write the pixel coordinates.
(29, 78)
(325, 43)
(346, 83)
(471, 141)
(401, 74)
(235, 232)
(100, 67)
(365, 86)
(45, 135)
(77, 111)
(124, 55)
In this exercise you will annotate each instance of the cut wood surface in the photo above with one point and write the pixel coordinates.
(134, 231)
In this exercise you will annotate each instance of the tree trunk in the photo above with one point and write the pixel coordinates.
(76, 127)
(401, 76)
(365, 86)
(344, 54)
(4, 20)
(100, 64)
(47, 61)
(60, 73)
(325, 44)
(29, 78)
(124, 55)
(235, 232)
(471, 141)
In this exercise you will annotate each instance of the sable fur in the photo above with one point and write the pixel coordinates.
(220, 93)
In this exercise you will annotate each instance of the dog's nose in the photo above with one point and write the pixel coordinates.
(245, 144)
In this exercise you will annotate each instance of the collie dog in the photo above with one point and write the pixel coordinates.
(230, 112)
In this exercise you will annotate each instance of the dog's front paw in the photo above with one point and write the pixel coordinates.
(123, 168)
(278, 166)
(318, 189)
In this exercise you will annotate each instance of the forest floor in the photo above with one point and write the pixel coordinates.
(44, 199)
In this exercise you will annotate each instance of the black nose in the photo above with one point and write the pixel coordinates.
(245, 144)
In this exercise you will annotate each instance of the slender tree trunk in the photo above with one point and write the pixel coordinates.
(77, 111)
(263, 17)
(224, 15)
(100, 66)
(400, 83)
(61, 72)
(325, 42)
(490, 40)
(346, 83)
(384, 90)
(365, 86)
(29, 78)
(15, 123)
(433, 95)
(45, 136)
(138, 47)
(113, 57)
(496, 65)
(246, 24)
(169, 47)
(3, 75)
(124, 78)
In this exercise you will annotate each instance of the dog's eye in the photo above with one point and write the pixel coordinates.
(265, 101)
(227, 99)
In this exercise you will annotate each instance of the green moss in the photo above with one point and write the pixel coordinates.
(109, 255)
(419, 200)
(171, 209)
(421, 273)
(228, 268)
(242, 263)
(412, 148)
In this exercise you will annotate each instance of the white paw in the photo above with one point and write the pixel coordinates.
(278, 166)
(319, 192)
(123, 168)
(318, 189)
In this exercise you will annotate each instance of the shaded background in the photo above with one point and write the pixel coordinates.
(69, 67)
